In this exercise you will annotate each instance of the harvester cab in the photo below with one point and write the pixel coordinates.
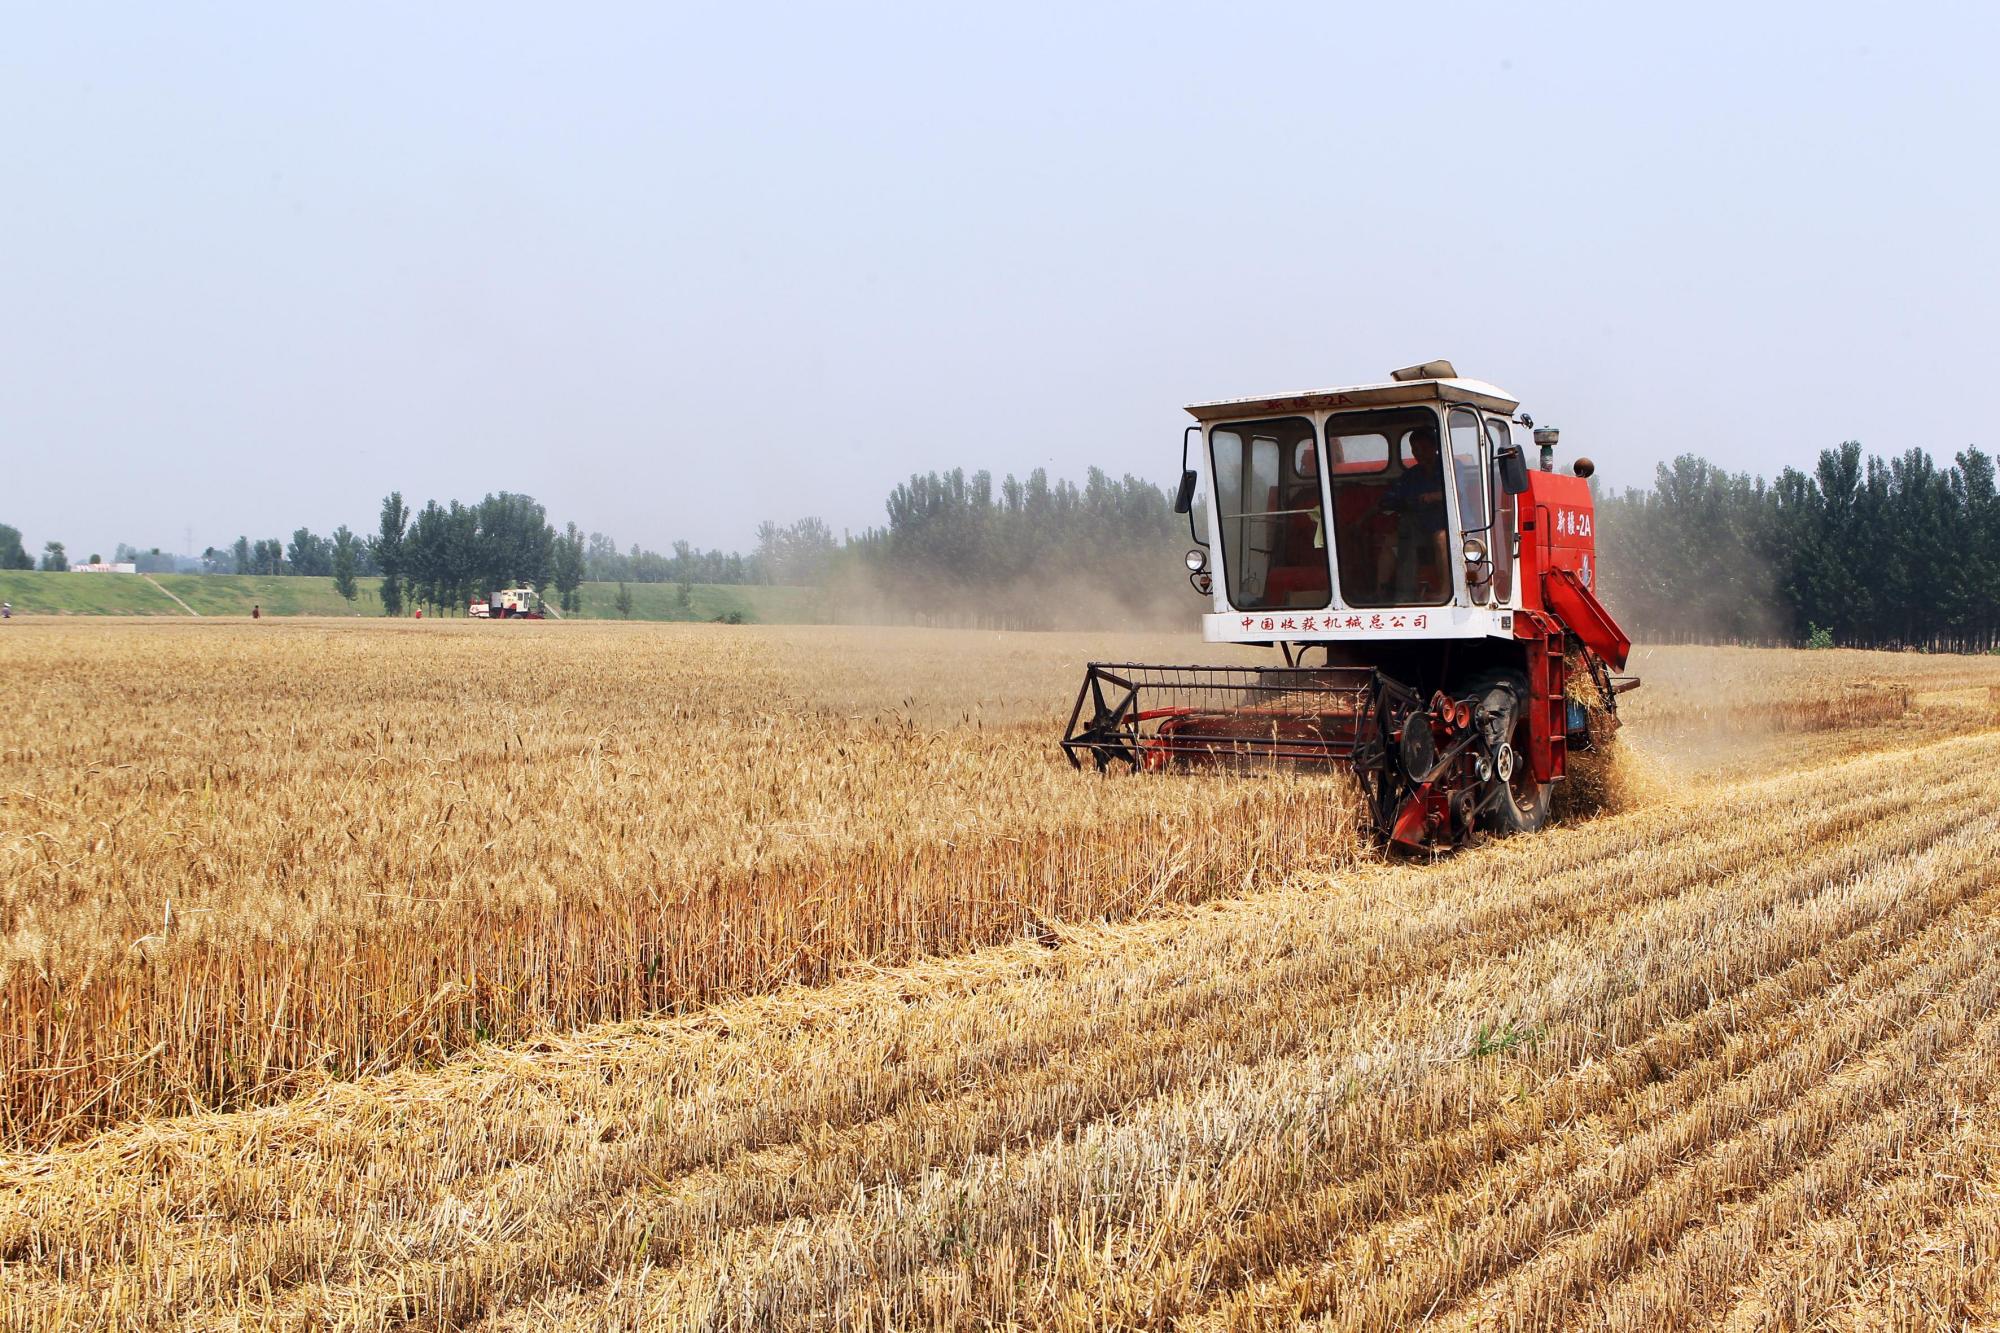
(1431, 592)
(508, 604)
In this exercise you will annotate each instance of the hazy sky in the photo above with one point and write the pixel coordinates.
(676, 270)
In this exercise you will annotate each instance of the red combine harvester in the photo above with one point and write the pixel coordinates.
(1432, 596)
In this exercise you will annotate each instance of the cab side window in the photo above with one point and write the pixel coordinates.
(1499, 434)
(1468, 468)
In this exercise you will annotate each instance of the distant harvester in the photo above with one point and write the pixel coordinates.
(509, 604)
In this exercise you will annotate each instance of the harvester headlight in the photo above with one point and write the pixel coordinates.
(1475, 551)
(1197, 560)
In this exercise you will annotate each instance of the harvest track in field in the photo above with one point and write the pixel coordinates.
(1729, 1059)
(1638, 1074)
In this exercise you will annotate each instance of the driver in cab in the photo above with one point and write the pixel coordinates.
(1416, 497)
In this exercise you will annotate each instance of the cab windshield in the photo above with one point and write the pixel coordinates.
(1273, 524)
(1386, 474)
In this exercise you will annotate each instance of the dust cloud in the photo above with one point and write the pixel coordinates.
(1616, 774)
(1083, 600)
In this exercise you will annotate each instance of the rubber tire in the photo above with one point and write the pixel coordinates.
(1523, 806)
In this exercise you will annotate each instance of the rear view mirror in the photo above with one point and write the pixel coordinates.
(1184, 498)
(1513, 469)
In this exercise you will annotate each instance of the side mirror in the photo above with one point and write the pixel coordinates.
(1513, 469)
(1184, 498)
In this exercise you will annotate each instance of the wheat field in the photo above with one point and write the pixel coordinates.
(236, 856)
(944, 1035)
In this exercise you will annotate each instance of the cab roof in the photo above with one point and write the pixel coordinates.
(1391, 393)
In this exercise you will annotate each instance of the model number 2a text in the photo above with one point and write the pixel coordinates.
(1573, 522)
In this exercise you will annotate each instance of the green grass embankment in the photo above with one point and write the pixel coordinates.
(37, 594)
(84, 595)
(235, 594)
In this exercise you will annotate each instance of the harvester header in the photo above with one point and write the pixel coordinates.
(1433, 596)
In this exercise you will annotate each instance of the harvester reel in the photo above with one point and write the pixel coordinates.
(1113, 729)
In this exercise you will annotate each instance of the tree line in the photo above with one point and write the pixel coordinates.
(444, 554)
(956, 547)
(1027, 553)
(1860, 551)
(14, 552)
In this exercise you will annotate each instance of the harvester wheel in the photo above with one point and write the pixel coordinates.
(1521, 804)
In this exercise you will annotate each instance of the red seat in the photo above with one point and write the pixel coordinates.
(1298, 565)
(1285, 581)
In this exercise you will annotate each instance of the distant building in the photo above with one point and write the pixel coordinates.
(105, 567)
